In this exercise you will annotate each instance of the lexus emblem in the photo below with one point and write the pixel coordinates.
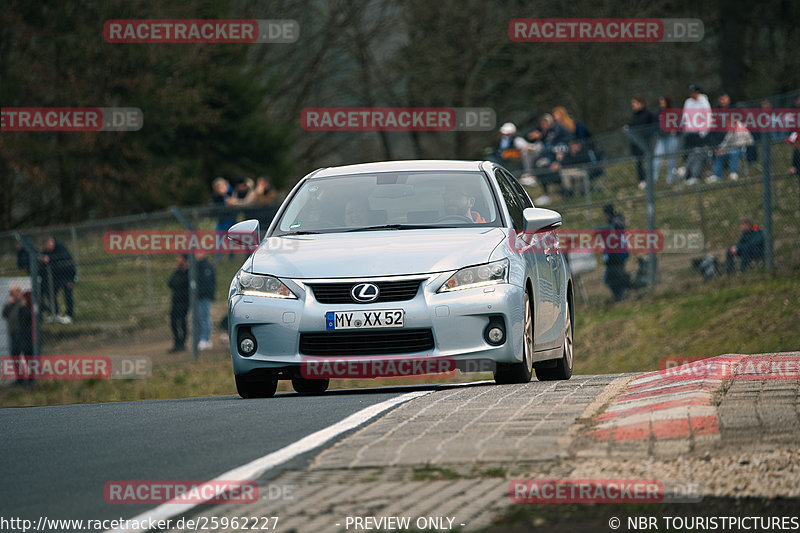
(364, 292)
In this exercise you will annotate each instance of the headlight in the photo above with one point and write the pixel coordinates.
(477, 276)
(257, 285)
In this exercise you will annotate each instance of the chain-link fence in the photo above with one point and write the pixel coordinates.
(91, 293)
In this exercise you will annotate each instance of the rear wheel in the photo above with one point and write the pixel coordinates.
(310, 386)
(256, 387)
(519, 372)
(563, 368)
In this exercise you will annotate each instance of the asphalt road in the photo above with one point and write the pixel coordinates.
(56, 460)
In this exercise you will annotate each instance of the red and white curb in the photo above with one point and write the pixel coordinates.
(674, 403)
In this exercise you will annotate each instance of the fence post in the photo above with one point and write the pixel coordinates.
(651, 212)
(766, 163)
(650, 193)
(192, 283)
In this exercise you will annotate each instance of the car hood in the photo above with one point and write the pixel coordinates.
(375, 253)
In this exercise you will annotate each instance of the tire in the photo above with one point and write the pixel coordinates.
(249, 387)
(563, 368)
(310, 386)
(506, 373)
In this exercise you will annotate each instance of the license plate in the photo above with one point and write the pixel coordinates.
(380, 318)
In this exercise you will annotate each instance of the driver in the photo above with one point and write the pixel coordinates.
(355, 213)
(458, 201)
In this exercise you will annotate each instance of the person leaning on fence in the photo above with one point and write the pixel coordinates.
(179, 285)
(55, 257)
(206, 286)
(643, 125)
(615, 276)
(667, 143)
(18, 313)
(696, 139)
(749, 247)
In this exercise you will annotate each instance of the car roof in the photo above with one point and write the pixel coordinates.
(401, 166)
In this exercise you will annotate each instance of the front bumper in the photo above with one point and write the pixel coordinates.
(457, 321)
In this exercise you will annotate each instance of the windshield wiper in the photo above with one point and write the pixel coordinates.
(300, 233)
(395, 226)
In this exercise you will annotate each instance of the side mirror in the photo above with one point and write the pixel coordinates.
(247, 233)
(538, 219)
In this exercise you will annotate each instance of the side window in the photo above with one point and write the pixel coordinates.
(524, 199)
(511, 200)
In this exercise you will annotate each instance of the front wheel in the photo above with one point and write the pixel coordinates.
(249, 387)
(562, 369)
(519, 372)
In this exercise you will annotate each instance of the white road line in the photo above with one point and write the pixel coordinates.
(255, 468)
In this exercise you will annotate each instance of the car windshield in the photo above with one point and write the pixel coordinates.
(390, 201)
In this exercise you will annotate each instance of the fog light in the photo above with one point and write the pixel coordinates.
(495, 335)
(247, 346)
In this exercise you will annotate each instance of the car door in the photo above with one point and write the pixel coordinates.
(545, 288)
(556, 262)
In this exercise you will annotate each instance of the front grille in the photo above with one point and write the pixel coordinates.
(389, 291)
(343, 343)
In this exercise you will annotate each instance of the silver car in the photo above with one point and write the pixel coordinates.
(401, 262)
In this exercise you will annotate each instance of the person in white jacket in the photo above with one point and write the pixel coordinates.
(696, 118)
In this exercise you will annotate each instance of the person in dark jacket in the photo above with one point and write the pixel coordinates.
(615, 276)
(179, 285)
(206, 286)
(749, 247)
(17, 312)
(566, 163)
(643, 124)
(55, 257)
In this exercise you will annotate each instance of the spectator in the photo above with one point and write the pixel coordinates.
(511, 148)
(221, 193)
(547, 140)
(749, 247)
(18, 313)
(242, 193)
(731, 150)
(794, 140)
(57, 262)
(695, 138)
(553, 137)
(576, 128)
(667, 144)
(206, 286)
(565, 164)
(642, 123)
(221, 190)
(179, 285)
(615, 276)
